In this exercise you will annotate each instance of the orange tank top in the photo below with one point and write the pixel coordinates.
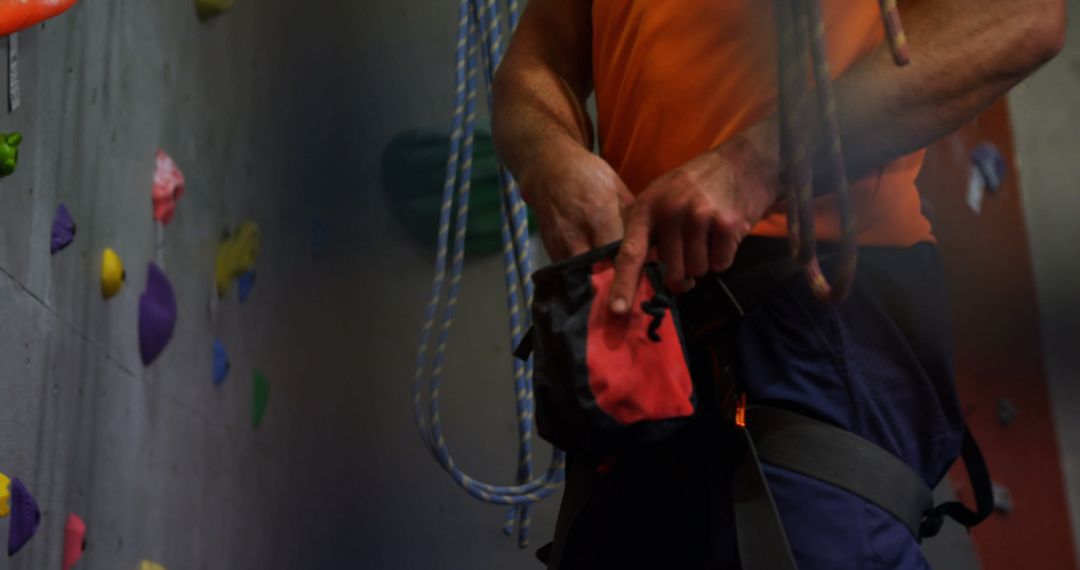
(675, 78)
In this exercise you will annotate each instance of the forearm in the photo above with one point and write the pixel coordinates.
(541, 86)
(536, 117)
(965, 55)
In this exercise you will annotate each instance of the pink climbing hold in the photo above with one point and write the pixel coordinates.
(168, 187)
(74, 541)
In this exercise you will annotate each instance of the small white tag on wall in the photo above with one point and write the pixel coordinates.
(976, 190)
(13, 72)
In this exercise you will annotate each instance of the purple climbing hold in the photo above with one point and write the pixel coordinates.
(157, 315)
(63, 229)
(25, 517)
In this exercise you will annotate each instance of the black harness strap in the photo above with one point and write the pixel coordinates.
(981, 484)
(836, 456)
(763, 545)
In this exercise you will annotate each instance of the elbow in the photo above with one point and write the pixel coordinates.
(1051, 25)
(1043, 35)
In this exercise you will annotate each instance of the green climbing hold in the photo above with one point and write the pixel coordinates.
(9, 152)
(207, 9)
(414, 168)
(260, 395)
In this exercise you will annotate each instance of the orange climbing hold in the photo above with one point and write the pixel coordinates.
(18, 15)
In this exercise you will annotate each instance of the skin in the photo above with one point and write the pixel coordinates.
(970, 52)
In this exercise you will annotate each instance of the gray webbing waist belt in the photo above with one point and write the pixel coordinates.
(836, 456)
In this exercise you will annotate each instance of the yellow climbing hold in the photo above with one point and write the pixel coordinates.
(209, 8)
(5, 496)
(112, 273)
(236, 256)
(147, 565)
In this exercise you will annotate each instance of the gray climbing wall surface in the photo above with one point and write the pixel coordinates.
(160, 463)
(275, 111)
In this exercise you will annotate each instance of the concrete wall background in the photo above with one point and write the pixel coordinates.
(1046, 114)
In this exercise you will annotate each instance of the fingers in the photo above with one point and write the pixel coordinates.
(631, 258)
(606, 229)
(725, 234)
(722, 247)
(696, 240)
(670, 244)
(673, 255)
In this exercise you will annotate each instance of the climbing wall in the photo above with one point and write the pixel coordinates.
(160, 463)
(276, 111)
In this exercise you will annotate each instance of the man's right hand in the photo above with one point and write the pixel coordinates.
(577, 198)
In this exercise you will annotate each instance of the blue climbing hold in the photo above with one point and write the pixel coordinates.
(244, 284)
(221, 362)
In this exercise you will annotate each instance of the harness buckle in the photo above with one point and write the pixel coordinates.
(740, 411)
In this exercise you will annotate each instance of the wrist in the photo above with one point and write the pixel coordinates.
(755, 155)
(547, 157)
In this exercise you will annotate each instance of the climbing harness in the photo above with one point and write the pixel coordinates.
(479, 44)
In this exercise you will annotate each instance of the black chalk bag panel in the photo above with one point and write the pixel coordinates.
(605, 383)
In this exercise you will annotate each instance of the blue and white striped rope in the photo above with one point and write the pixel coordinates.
(480, 30)
(514, 234)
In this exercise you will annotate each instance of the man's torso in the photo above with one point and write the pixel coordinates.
(676, 78)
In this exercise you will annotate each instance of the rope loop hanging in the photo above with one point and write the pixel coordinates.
(479, 49)
(807, 112)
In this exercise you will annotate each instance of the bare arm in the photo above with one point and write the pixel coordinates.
(965, 54)
(544, 134)
(543, 82)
